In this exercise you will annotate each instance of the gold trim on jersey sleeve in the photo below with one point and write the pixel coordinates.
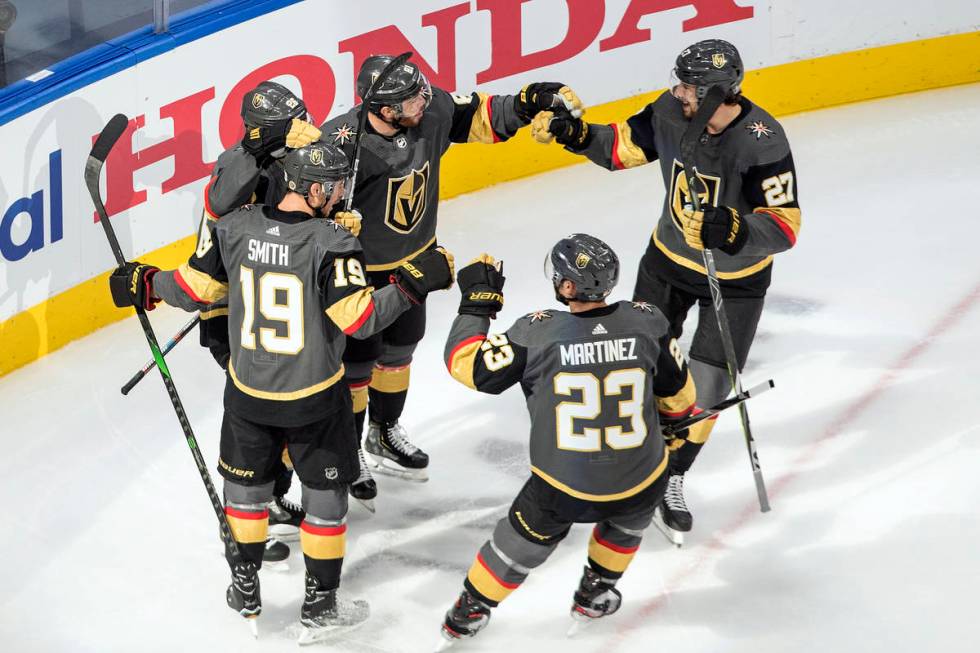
(463, 358)
(790, 216)
(481, 128)
(628, 154)
(380, 267)
(691, 265)
(284, 396)
(625, 494)
(198, 285)
(349, 311)
(681, 402)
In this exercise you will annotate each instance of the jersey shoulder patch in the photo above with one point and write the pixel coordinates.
(538, 316)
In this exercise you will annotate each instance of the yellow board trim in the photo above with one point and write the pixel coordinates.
(789, 88)
(636, 489)
(284, 396)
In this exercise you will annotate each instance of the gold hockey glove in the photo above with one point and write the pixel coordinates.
(301, 134)
(547, 96)
(350, 220)
(715, 227)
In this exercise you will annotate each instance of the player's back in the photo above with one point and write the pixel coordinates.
(283, 347)
(589, 387)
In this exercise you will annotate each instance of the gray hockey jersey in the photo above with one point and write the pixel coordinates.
(597, 384)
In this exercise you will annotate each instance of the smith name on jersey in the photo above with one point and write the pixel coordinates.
(397, 185)
(597, 384)
(295, 285)
(748, 167)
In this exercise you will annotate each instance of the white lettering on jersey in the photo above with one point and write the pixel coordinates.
(594, 353)
(268, 253)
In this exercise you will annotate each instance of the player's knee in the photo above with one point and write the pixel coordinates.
(396, 355)
(244, 496)
(327, 505)
(515, 549)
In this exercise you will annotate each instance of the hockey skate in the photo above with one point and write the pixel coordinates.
(324, 614)
(465, 619)
(596, 597)
(672, 518)
(390, 453)
(243, 594)
(284, 519)
(364, 489)
(275, 555)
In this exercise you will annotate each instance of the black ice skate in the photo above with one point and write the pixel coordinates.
(675, 512)
(465, 619)
(364, 489)
(596, 597)
(243, 594)
(324, 614)
(284, 519)
(275, 555)
(392, 454)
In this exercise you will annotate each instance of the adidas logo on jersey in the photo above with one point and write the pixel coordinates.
(599, 330)
(273, 231)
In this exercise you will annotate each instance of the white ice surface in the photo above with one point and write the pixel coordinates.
(869, 442)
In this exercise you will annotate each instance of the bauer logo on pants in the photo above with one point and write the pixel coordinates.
(407, 200)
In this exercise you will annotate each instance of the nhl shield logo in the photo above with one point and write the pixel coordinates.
(582, 260)
(316, 156)
(407, 200)
(258, 100)
(718, 60)
(331, 473)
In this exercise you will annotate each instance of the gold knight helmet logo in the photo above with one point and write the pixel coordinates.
(258, 100)
(718, 60)
(582, 260)
(316, 156)
(407, 200)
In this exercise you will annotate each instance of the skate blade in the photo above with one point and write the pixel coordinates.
(323, 633)
(367, 503)
(444, 643)
(381, 465)
(284, 532)
(674, 537)
(253, 625)
(579, 623)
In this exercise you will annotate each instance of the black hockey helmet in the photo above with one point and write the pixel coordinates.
(269, 104)
(711, 63)
(404, 83)
(316, 163)
(587, 262)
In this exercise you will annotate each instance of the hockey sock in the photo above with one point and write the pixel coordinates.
(388, 391)
(683, 451)
(323, 545)
(249, 526)
(490, 579)
(359, 397)
(611, 550)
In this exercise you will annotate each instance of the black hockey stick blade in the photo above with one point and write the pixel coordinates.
(384, 74)
(93, 170)
(110, 134)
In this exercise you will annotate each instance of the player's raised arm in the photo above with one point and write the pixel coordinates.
(483, 118)
(488, 363)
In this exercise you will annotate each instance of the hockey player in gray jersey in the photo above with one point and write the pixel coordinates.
(750, 199)
(410, 125)
(295, 285)
(599, 381)
(275, 120)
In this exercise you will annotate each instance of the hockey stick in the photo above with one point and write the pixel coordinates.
(362, 120)
(93, 170)
(689, 141)
(745, 395)
(166, 350)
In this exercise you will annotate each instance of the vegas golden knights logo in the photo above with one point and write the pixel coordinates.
(718, 60)
(708, 187)
(582, 260)
(316, 156)
(258, 100)
(407, 200)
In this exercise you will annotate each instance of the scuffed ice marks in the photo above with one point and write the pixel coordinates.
(511, 458)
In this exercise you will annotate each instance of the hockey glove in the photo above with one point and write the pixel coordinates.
(265, 142)
(716, 227)
(350, 220)
(570, 132)
(547, 96)
(482, 285)
(131, 284)
(430, 270)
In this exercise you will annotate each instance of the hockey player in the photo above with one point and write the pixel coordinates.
(750, 212)
(410, 125)
(595, 379)
(275, 119)
(295, 286)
